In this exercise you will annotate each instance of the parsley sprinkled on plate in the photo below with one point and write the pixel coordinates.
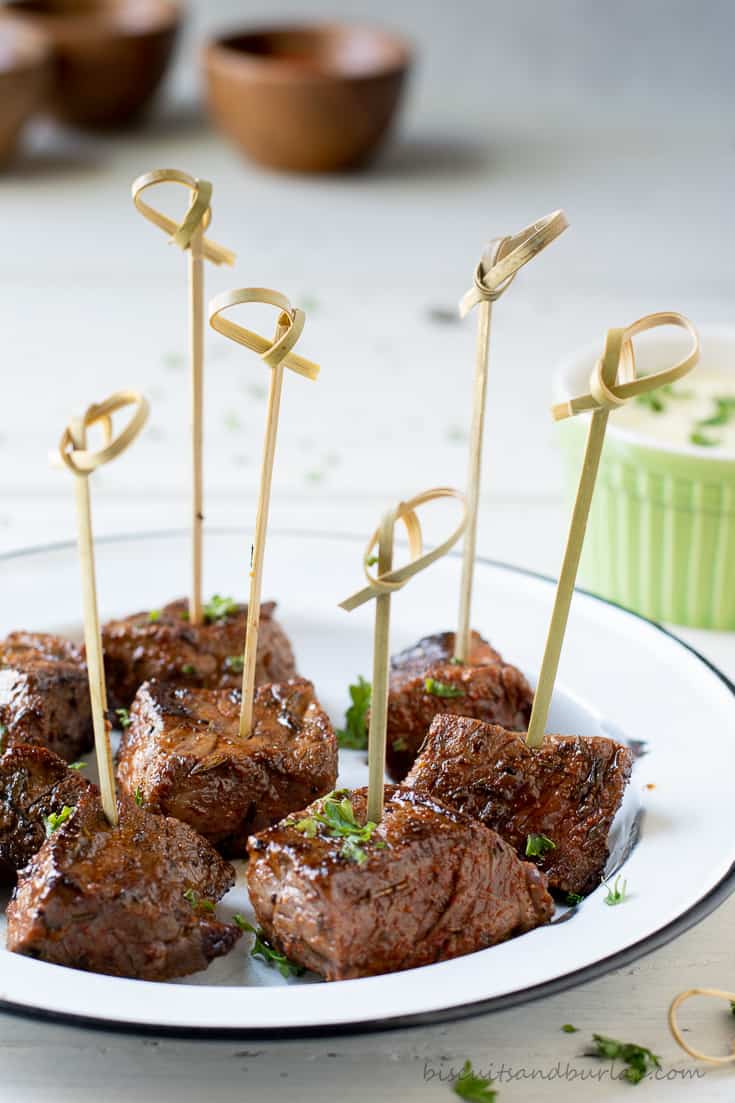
(616, 895)
(538, 845)
(262, 948)
(573, 898)
(442, 689)
(354, 735)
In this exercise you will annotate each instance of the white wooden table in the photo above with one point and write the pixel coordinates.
(92, 299)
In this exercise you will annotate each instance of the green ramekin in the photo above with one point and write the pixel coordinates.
(661, 535)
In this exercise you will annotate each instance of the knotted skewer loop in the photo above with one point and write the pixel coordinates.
(289, 328)
(197, 217)
(405, 512)
(617, 363)
(83, 462)
(381, 587)
(713, 993)
(506, 256)
(613, 383)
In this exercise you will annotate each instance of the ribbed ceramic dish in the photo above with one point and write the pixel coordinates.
(661, 537)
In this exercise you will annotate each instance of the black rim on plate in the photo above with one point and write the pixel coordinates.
(699, 911)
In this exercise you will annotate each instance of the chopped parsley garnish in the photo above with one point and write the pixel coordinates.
(698, 437)
(442, 689)
(218, 607)
(569, 1029)
(154, 615)
(262, 948)
(54, 820)
(196, 901)
(187, 668)
(399, 744)
(456, 662)
(138, 795)
(235, 664)
(3, 735)
(77, 765)
(371, 561)
(537, 845)
(476, 1089)
(616, 895)
(573, 898)
(337, 817)
(638, 1060)
(723, 413)
(123, 718)
(651, 401)
(354, 735)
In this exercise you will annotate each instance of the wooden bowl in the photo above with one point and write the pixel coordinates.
(109, 55)
(24, 75)
(306, 98)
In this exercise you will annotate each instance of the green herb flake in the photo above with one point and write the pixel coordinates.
(77, 765)
(442, 689)
(123, 718)
(138, 795)
(154, 615)
(371, 561)
(569, 1029)
(651, 401)
(354, 735)
(235, 664)
(399, 744)
(55, 819)
(3, 737)
(616, 895)
(456, 662)
(476, 1089)
(187, 668)
(262, 948)
(638, 1060)
(218, 607)
(573, 898)
(337, 819)
(537, 845)
(197, 902)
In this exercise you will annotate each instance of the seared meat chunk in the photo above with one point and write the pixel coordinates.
(44, 694)
(134, 900)
(568, 791)
(164, 645)
(34, 784)
(431, 884)
(183, 755)
(484, 687)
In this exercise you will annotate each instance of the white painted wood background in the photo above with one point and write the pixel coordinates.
(91, 299)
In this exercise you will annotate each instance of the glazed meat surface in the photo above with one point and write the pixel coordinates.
(34, 783)
(184, 756)
(163, 645)
(44, 694)
(568, 790)
(484, 687)
(434, 884)
(126, 900)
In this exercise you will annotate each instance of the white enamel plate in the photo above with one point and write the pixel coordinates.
(620, 675)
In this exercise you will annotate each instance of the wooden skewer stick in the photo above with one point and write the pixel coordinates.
(73, 453)
(612, 383)
(495, 272)
(712, 993)
(381, 587)
(189, 235)
(278, 356)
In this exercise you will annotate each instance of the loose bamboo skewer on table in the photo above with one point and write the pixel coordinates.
(709, 993)
(73, 453)
(277, 355)
(612, 383)
(189, 236)
(495, 272)
(381, 587)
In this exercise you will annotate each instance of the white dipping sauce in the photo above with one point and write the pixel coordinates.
(698, 411)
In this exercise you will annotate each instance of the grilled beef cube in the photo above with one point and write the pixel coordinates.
(44, 694)
(183, 756)
(431, 884)
(34, 784)
(567, 791)
(136, 900)
(164, 645)
(484, 687)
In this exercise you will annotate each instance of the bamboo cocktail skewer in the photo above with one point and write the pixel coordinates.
(495, 272)
(612, 383)
(81, 462)
(189, 236)
(277, 355)
(381, 587)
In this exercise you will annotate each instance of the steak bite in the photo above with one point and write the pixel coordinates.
(44, 694)
(163, 644)
(428, 884)
(34, 785)
(426, 681)
(136, 900)
(566, 792)
(183, 756)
